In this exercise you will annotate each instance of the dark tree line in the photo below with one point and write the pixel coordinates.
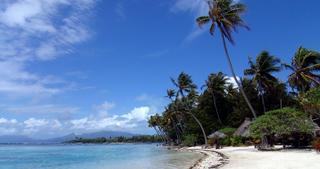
(121, 139)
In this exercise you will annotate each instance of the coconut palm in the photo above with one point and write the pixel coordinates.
(225, 16)
(154, 122)
(183, 84)
(262, 70)
(171, 93)
(184, 94)
(305, 66)
(216, 84)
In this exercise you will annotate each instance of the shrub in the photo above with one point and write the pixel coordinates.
(311, 101)
(316, 144)
(228, 131)
(281, 122)
(237, 141)
(233, 141)
(189, 140)
(226, 141)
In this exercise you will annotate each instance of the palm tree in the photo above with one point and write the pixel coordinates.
(154, 122)
(185, 85)
(262, 70)
(216, 84)
(304, 66)
(225, 15)
(171, 93)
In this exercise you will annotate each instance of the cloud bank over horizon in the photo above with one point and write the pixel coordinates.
(48, 128)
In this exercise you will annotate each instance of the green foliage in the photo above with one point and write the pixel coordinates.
(228, 131)
(305, 67)
(237, 141)
(189, 140)
(281, 122)
(226, 141)
(233, 141)
(225, 15)
(311, 101)
(262, 70)
(222, 104)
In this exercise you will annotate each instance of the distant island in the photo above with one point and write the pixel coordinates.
(121, 139)
(21, 139)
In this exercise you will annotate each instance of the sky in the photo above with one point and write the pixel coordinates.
(78, 66)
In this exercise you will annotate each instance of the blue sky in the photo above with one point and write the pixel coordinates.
(89, 65)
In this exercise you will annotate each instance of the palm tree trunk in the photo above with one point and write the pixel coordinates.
(235, 77)
(262, 97)
(263, 103)
(178, 141)
(199, 123)
(159, 134)
(216, 108)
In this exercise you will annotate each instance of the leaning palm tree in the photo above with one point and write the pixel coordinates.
(262, 70)
(185, 93)
(216, 84)
(225, 15)
(305, 66)
(154, 122)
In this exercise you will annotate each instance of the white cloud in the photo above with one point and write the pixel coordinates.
(41, 109)
(50, 127)
(115, 122)
(197, 7)
(232, 81)
(32, 122)
(155, 104)
(195, 33)
(4, 121)
(138, 114)
(56, 124)
(104, 108)
(37, 30)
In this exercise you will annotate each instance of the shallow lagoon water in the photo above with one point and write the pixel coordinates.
(126, 156)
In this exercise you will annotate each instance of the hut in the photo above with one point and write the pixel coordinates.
(243, 129)
(316, 130)
(215, 137)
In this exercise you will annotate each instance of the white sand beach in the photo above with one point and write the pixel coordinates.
(250, 158)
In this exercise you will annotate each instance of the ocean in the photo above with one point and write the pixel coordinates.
(112, 156)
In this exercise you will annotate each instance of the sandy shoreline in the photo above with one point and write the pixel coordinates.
(250, 158)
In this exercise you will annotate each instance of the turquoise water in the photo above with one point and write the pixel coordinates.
(127, 156)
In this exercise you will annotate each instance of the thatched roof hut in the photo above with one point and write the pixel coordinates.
(243, 129)
(316, 129)
(217, 135)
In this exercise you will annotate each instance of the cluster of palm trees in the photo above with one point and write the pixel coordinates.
(222, 104)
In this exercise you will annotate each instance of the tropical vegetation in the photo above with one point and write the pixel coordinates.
(285, 110)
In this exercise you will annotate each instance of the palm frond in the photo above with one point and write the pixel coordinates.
(287, 66)
(202, 20)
